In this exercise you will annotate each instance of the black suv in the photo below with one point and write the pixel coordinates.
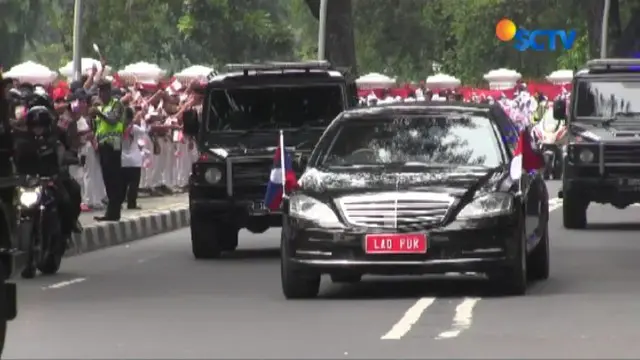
(602, 159)
(237, 133)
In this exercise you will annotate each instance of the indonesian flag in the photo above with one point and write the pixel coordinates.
(524, 156)
(282, 179)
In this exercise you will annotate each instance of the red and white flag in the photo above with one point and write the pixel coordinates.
(525, 157)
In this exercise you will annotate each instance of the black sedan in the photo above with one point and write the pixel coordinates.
(414, 189)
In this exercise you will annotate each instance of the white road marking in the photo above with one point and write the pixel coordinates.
(555, 204)
(64, 283)
(462, 320)
(402, 327)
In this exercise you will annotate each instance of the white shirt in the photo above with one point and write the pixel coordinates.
(131, 152)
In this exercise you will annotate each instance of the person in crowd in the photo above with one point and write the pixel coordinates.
(109, 130)
(135, 130)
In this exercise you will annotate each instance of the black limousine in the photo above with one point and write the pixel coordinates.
(409, 189)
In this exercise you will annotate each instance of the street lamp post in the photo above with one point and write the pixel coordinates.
(605, 29)
(77, 40)
(322, 29)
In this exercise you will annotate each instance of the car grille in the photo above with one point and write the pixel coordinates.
(249, 179)
(618, 153)
(399, 209)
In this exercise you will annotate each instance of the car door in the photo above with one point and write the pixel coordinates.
(533, 191)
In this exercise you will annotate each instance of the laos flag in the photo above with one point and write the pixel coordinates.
(282, 179)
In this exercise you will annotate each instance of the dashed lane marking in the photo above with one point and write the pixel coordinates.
(64, 284)
(402, 327)
(462, 319)
(555, 204)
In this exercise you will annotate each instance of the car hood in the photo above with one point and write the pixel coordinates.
(456, 181)
(618, 132)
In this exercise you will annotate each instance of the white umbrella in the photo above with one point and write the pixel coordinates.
(195, 72)
(560, 77)
(142, 72)
(442, 81)
(31, 72)
(500, 79)
(375, 81)
(86, 64)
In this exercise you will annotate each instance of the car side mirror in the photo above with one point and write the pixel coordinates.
(191, 123)
(560, 110)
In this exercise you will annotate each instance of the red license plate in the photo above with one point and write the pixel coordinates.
(395, 244)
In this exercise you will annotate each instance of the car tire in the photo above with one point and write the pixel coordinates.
(3, 307)
(346, 278)
(296, 283)
(574, 211)
(512, 281)
(210, 238)
(538, 261)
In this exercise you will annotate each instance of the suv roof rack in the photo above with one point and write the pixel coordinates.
(276, 65)
(613, 64)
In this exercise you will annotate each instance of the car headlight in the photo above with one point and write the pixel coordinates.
(29, 197)
(308, 208)
(487, 205)
(586, 156)
(213, 175)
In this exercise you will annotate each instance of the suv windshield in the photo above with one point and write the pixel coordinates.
(274, 107)
(607, 98)
(428, 140)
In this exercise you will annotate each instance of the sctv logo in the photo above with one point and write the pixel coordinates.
(536, 40)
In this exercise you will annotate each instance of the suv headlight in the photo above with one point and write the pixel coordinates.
(29, 197)
(487, 205)
(586, 156)
(213, 175)
(308, 208)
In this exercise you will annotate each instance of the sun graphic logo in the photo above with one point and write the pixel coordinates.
(506, 30)
(537, 39)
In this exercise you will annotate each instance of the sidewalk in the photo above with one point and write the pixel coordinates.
(158, 215)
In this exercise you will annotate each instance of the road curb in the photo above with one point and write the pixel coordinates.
(104, 235)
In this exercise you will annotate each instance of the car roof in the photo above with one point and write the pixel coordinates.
(417, 107)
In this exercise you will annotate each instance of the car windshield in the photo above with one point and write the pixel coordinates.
(415, 140)
(607, 99)
(274, 107)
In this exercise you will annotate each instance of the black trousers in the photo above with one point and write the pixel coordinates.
(111, 166)
(131, 178)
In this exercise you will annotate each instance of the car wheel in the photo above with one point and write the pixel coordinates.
(538, 262)
(3, 308)
(574, 211)
(296, 283)
(346, 278)
(209, 238)
(513, 279)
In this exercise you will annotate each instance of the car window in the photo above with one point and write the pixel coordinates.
(426, 139)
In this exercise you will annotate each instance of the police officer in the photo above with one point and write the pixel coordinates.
(109, 130)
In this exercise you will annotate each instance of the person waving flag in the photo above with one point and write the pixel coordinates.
(525, 157)
(282, 179)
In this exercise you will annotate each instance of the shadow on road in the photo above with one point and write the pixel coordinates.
(408, 287)
(243, 254)
(613, 226)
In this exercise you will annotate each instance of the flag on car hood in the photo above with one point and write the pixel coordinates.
(282, 179)
(524, 156)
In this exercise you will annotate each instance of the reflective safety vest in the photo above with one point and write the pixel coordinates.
(108, 133)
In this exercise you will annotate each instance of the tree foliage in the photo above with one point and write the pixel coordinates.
(403, 38)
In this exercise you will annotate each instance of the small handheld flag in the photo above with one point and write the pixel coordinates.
(282, 179)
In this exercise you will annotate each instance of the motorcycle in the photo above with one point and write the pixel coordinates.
(550, 133)
(40, 234)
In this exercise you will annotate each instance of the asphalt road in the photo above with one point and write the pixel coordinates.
(151, 299)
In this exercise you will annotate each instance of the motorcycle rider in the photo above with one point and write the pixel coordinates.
(39, 151)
